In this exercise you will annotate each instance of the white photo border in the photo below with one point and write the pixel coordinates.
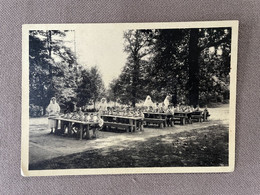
(233, 24)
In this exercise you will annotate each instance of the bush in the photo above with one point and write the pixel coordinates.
(220, 98)
(35, 111)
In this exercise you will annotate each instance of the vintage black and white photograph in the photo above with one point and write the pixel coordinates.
(129, 98)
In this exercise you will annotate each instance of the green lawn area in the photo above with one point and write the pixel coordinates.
(197, 147)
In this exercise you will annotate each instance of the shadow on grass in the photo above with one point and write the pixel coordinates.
(198, 147)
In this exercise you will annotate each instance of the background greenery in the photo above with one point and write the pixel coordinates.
(190, 65)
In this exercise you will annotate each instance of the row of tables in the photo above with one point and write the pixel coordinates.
(128, 123)
(169, 118)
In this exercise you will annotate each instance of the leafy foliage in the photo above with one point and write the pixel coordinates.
(54, 71)
(91, 88)
(191, 65)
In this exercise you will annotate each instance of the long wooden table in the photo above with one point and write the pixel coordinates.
(183, 117)
(198, 115)
(70, 122)
(161, 118)
(126, 122)
(157, 118)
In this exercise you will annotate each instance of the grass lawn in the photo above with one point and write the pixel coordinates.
(197, 147)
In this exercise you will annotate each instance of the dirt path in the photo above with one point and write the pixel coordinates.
(44, 146)
(198, 147)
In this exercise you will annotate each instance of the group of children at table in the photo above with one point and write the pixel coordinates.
(94, 119)
(130, 111)
(148, 107)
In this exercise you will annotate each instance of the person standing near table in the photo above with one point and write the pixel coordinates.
(167, 101)
(103, 106)
(53, 110)
(148, 102)
(206, 113)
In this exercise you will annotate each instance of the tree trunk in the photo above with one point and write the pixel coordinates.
(174, 95)
(44, 110)
(49, 40)
(193, 82)
(135, 79)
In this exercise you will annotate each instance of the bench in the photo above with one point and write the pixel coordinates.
(197, 115)
(160, 122)
(124, 126)
(180, 119)
(170, 121)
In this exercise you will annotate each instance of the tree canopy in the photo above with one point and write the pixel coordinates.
(191, 65)
(54, 71)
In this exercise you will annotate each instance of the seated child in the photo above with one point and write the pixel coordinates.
(80, 111)
(131, 112)
(140, 113)
(163, 109)
(91, 118)
(197, 108)
(172, 109)
(121, 111)
(177, 109)
(134, 112)
(183, 108)
(127, 111)
(95, 117)
(103, 112)
(80, 114)
(98, 124)
(157, 108)
(169, 110)
(187, 109)
(109, 111)
(87, 117)
(150, 109)
(76, 126)
(113, 111)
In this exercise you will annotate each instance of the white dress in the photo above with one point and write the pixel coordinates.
(148, 102)
(103, 108)
(53, 109)
(166, 101)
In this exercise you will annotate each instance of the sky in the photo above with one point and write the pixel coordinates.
(101, 47)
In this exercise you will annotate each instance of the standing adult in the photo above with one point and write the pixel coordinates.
(103, 106)
(167, 101)
(53, 110)
(148, 102)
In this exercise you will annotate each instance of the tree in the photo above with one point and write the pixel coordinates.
(138, 44)
(214, 70)
(169, 65)
(49, 61)
(193, 59)
(96, 85)
(122, 87)
(200, 40)
(91, 87)
(176, 62)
